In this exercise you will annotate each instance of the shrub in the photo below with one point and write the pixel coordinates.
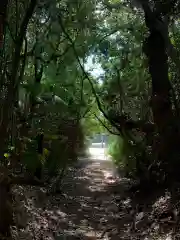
(122, 154)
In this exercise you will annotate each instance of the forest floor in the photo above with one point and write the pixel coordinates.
(95, 204)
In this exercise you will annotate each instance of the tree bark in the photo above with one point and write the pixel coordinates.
(3, 8)
(158, 68)
(7, 95)
(164, 119)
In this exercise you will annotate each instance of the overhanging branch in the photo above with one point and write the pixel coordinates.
(106, 127)
(82, 68)
(120, 123)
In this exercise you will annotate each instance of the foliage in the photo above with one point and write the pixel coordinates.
(124, 155)
(48, 88)
(115, 149)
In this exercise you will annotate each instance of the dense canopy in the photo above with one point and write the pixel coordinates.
(70, 69)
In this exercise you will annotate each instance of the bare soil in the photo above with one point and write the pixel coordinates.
(95, 204)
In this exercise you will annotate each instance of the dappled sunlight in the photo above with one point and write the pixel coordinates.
(81, 211)
(108, 176)
(93, 206)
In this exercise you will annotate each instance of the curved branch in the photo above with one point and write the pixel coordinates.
(19, 41)
(104, 125)
(23, 61)
(82, 68)
(120, 124)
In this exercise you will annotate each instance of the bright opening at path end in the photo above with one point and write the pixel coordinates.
(98, 152)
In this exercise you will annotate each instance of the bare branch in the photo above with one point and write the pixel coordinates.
(86, 112)
(10, 32)
(24, 61)
(25, 21)
(30, 53)
(120, 124)
(19, 40)
(82, 68)
(107, 35)
(106, 127)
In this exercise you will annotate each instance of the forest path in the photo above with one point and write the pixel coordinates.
(93, 206)
(85, 210)
(90, 206)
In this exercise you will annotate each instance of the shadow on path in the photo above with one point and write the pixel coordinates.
(94, 205)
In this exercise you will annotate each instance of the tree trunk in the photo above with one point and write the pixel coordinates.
(3, 8)
(7, 101)
(6, 214)
(161, 105)
(5, 200)
(158, 68)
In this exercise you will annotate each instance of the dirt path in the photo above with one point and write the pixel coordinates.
(93, 206)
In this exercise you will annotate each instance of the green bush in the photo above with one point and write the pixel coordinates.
(115, 149)
(122, 154)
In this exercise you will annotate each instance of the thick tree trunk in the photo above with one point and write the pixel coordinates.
(3, 8)
(158, 68)
(161, 105)
(6, 214)
(5, 209)
(5, 199)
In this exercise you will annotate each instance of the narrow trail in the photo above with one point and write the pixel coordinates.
(87, 209)
(93, 206)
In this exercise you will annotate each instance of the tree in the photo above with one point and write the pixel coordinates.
(46, 90)
(32, 56)
(163, 102)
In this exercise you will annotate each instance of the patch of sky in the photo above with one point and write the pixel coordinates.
(94, 68)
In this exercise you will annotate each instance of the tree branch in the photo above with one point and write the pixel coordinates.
(104, 125)
(82, 68)
(19, 41)
(24, 61)
(119, 123)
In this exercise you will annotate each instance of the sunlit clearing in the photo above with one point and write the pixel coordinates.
(98, 153)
